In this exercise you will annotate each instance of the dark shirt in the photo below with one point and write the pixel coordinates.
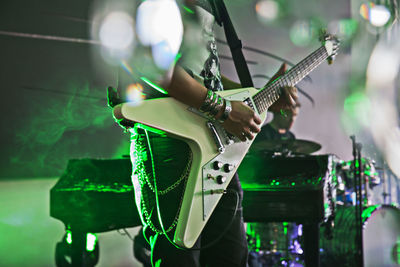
(269, 133)
(264, 141)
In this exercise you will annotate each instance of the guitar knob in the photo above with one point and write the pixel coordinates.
(217, 165)
(221, 179)
(228, 167)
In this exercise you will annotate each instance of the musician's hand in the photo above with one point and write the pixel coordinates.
(242, 122)
(289, 96)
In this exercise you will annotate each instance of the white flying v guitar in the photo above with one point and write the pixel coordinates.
(216, 155)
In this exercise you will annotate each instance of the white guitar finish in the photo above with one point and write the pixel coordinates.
(178, 121)
(206, 184)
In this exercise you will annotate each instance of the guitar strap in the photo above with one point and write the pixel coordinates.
(235, 44)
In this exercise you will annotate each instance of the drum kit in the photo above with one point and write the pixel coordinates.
(380, 222)
(280, 244)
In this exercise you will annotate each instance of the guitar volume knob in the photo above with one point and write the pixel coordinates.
(217, 165)
(221, 179)
(228, 167)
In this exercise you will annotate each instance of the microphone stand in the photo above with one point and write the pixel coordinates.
(357, 169)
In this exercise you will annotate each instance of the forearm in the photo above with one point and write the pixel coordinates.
(186, 89)
(241, 121)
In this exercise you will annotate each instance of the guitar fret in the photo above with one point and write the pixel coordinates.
(322, 56)
(286, 80)
(269, 94)
(309, 61)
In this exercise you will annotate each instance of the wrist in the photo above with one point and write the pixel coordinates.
(216, 106)
(221, 111)
(223, 115)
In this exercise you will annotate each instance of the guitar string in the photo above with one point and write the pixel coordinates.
(316, 62)
(317, 55)
(269, 93)
(263, 89)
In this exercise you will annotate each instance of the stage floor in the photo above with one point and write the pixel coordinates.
(28, 235)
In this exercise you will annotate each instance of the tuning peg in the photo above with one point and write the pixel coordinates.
(331, 58)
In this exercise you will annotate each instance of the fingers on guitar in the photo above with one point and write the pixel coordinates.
(242, 136)
(247, 134)
(254, 128)
(257, 119)
(291, 96)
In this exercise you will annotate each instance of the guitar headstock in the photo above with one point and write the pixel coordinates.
(331, 44)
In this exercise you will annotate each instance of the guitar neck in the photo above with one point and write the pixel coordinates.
(271, 92)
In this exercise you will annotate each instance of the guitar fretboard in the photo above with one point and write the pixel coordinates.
(270, 93)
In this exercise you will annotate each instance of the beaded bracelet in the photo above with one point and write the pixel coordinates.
(217, 107)
(213, 103)
(205, 107)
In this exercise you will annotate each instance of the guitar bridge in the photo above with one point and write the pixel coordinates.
(216, 137)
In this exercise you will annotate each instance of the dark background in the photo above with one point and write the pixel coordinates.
(53, 97)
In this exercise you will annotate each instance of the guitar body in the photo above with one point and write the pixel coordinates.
(204, 186)
(210, 143)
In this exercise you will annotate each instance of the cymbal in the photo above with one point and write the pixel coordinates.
(285, 146)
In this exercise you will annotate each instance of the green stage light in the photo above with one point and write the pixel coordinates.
(91, 240)
(68, 237)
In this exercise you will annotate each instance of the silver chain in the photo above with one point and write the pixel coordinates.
(139, 160)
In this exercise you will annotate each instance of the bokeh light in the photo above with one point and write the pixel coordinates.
(116, 31)
(344, 29)
(143, 38)
(365, 9)
(267, 10)
(159, 25)
(377, 15)
(356, 113)
(383, 90)
(382, 67)
(303, 32)
(114, 25)
(134, 93)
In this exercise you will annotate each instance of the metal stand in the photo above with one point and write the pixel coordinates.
(74, 253)
(78, 248)
(385, 194)
(358, 185)
(311, 244)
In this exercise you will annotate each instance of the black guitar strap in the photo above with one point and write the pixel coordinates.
(221, 15)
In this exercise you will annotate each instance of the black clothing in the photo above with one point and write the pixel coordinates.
(269, 133)
(230, 250)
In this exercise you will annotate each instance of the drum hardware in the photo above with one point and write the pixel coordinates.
(381, 233)
(345, 181)
(358, 183)
(386, 192)
(285, 147)
(381, 242)
(275, 244)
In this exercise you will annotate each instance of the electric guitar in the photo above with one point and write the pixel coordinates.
(216, 154)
